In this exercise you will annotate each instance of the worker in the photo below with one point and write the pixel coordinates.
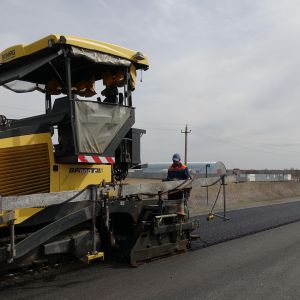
(111, 94)
(178, 170)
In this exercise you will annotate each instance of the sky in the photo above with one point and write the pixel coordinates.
(229, 69)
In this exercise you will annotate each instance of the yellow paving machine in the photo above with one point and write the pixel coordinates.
(60, 172)
(96, 141)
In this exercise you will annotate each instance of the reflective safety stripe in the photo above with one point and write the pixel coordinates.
(96, 159)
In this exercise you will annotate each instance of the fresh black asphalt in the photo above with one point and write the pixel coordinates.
(245, 222)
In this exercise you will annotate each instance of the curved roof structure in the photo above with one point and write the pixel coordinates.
(20, 51)
(44, 62)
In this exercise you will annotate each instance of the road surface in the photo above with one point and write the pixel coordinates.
(265, 265)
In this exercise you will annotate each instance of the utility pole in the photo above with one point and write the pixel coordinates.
(186, 132)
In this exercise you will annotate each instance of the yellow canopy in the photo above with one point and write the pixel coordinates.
(19, 51)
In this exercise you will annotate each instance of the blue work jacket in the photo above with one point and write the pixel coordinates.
(179, 172)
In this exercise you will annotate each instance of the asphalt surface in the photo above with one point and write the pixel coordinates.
(261, 266)
(246, 221)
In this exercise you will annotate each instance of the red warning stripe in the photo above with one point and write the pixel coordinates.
(96, 159)
(110, 159)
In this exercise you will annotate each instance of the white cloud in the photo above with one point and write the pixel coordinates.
(229, 69)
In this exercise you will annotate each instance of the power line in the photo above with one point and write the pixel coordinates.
(161, 129)
(228, 141)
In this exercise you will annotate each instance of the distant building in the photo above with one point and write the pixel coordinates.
(265, 177)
